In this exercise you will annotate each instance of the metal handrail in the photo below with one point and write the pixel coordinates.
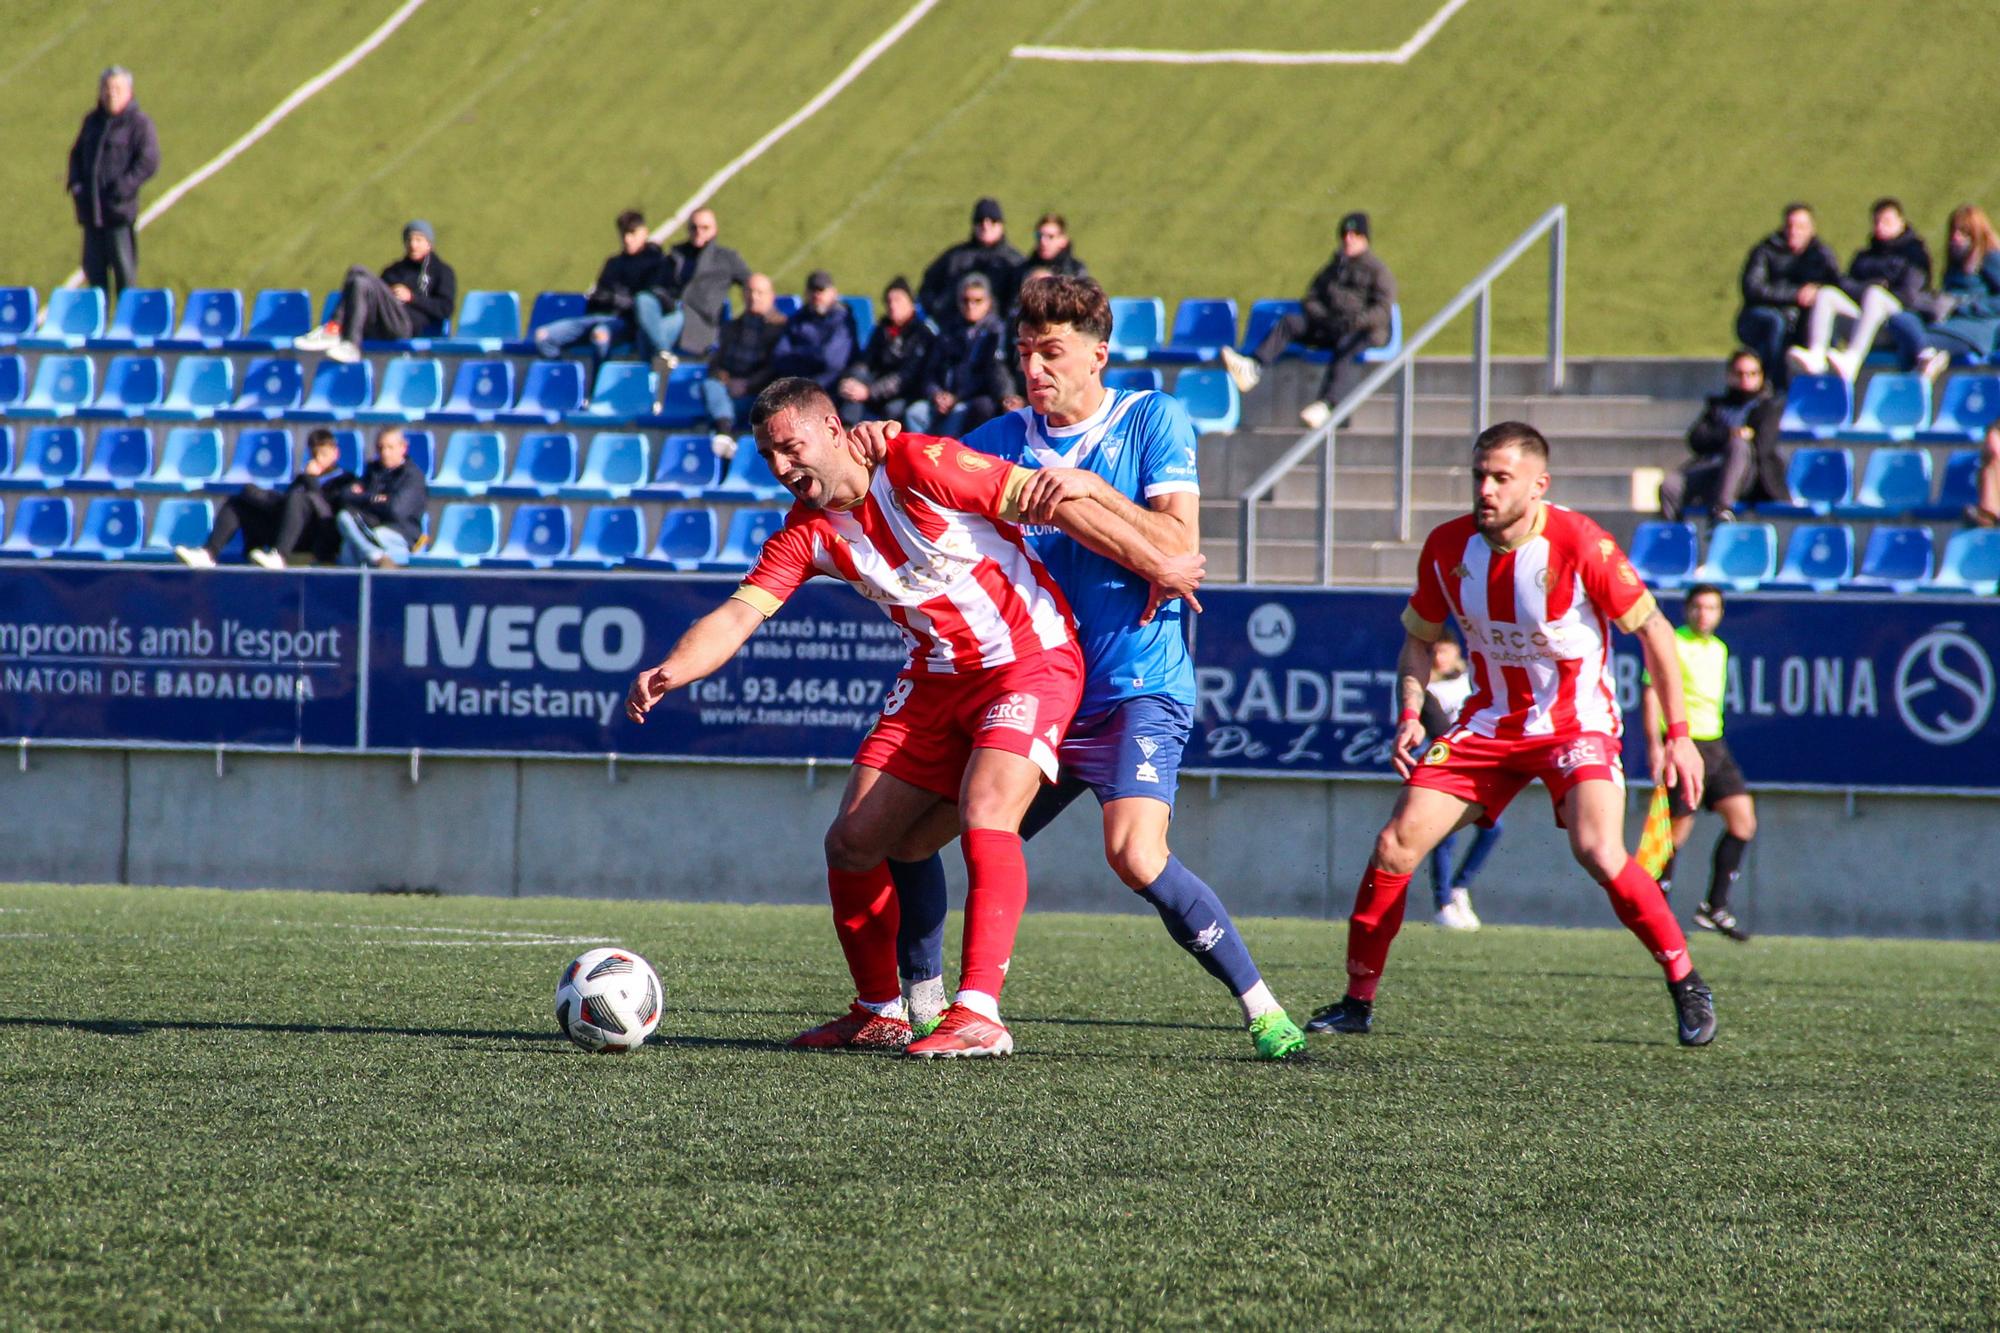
(1402, 367)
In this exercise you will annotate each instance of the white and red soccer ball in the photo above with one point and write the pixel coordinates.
(608, 1001)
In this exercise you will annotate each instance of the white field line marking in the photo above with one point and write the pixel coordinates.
(425, 930)
(1133, 56)
(300, 95)
(571, 940)
(756, 150)
(25, 935)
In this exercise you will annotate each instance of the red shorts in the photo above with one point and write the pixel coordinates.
(930, 725)
(1490, 773)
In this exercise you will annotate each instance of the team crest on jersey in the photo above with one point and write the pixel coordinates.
(973, 461)
(1437, 754)
(1016, 712)
(934, 450)
(1542, 578)
(1626, 574)
(1463, 571)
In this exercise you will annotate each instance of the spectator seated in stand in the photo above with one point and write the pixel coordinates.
(1985, 511)
(611, 312)
(1735, 443)
(1963, 318)
(1782, 277)
(890, 371)
(1347, 309)
(818, 342)
(1891, 274)
(986, 253)
(699, 273)
(277, 524)
(740, 366)
(968, 380)
(413, 298)
(382, 514)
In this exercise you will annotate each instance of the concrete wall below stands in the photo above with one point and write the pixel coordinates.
(742, 833)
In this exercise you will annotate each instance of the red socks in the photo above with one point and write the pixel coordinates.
(1378, 915)
(994, 901)
(1636, 897)
(866, 914)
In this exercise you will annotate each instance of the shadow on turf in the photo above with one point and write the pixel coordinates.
(128, 1027)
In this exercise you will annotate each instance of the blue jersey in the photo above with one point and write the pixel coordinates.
(1143, 444)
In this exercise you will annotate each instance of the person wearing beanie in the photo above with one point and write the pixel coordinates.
(413, 298)
(986, 253)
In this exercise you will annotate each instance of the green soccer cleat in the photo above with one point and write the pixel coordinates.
(923, 1027)
(1277, 1037)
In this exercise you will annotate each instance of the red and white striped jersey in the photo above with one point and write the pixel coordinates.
(935, 545)
(1536, 619)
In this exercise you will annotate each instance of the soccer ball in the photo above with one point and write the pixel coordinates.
(608, 1001)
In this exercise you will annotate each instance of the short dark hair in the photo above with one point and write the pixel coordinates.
(899, 283)
(1796, 207)
(1745, 354)
(630, 220)
(785, 395)
(1886, 202)
(1700, 589)
(1060, 299)
(319, 438)
(1518, 433)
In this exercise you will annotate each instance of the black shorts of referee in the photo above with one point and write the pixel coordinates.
(1723, 780)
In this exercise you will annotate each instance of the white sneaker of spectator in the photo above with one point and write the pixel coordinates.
(1846, 364)
(345, 352)
(1315, 414)
(1458, 914)
(723, 445)
(1806, 361)
(266, 558)
(1933, 362)
(319, 340)
(1243, 370)
(194, 557)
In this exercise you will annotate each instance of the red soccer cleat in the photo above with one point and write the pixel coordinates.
(859, 1029)
(964, 1033)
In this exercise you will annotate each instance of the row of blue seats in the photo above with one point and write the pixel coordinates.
(413, 389)
(1819, 557)
(213, 320)
(1894, 481)
(467, 535)
(1894, 406)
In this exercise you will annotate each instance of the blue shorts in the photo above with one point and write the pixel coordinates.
(1132, 750)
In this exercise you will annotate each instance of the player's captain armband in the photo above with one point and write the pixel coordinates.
(1637, 614)
(757, 599)
(1010, 494)
(1427, 630)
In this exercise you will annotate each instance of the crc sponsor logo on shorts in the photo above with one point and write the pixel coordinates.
(1582, 752)
(1016, 712)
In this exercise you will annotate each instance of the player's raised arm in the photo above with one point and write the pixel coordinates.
(706, 645)
(1683, 766)
(1106, 529)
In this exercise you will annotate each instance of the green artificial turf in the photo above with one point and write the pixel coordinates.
(1673, 129)
(245, 1109)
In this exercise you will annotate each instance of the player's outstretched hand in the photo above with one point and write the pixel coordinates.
(1409, 745)
(1685, 770)
(1049, 487)
(871, 439)
(1177, 576)
(648, 688)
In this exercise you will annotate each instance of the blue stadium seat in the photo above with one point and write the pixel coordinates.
(202, 386)
(271, 388)
(624, 392)
(276, 318)
(41, 528)
(73, 316)
(113, 528)
(544, 463)
(787, 305)
(1664, 553)
(487, 322)
(1138, 325)
(62, 385)
(412, 387)
(1133, 377)
(1895, 558)
(537, 538)
(1210, 398)
(1971, 403)
(13, 381)
(688, 468)
(548, 308)
(133, 387)
(189, 460)
(122, 458)
(18, 308)
(748, 531)
(471, 463)
(1971, 563)
(749, 477)
(1896, 481)
(864, 320)
(1816, 407)
(612, 534)
(466, 535)
(50, 458)
(338, 391)
(422, 450)
(1820, 481)
(1959, 488)
(1740, 555)
(212, 317)
(6, 450)
(681, 405)
(142, 318)
(687, 537)
(480, 392)
(1819, 557)
(1202, 328)
(615, 467)
(1264, 314)
(1390, 350)
(180, 522)
(1894, 407)
(352, 451)
(551, 391)
(262, 458)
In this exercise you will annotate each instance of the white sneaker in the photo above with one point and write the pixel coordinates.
(345, 352)
(1242, 369)
(1933, 362)
(1457, 914)
(1845, 364)
(1806, 361)
(266, 558)
(194, 557)
(1314, 414)
(318, 340)
(723, 445)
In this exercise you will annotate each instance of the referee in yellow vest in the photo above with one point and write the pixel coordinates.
(1704, 678)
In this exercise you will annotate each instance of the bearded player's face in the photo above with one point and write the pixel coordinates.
(807, 452)
(1506, 483)
(1060, 367)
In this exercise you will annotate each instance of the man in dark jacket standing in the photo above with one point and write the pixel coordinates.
(1735, 444)
(115, 153)
(1347, 309)
(382, 515)
(1782, 276)
(891, 370)
(969, 380)
(412, 299)
(986, 253)
(696, 280)
(610, 307)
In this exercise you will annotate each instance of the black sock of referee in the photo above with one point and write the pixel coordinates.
(1728, 865)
